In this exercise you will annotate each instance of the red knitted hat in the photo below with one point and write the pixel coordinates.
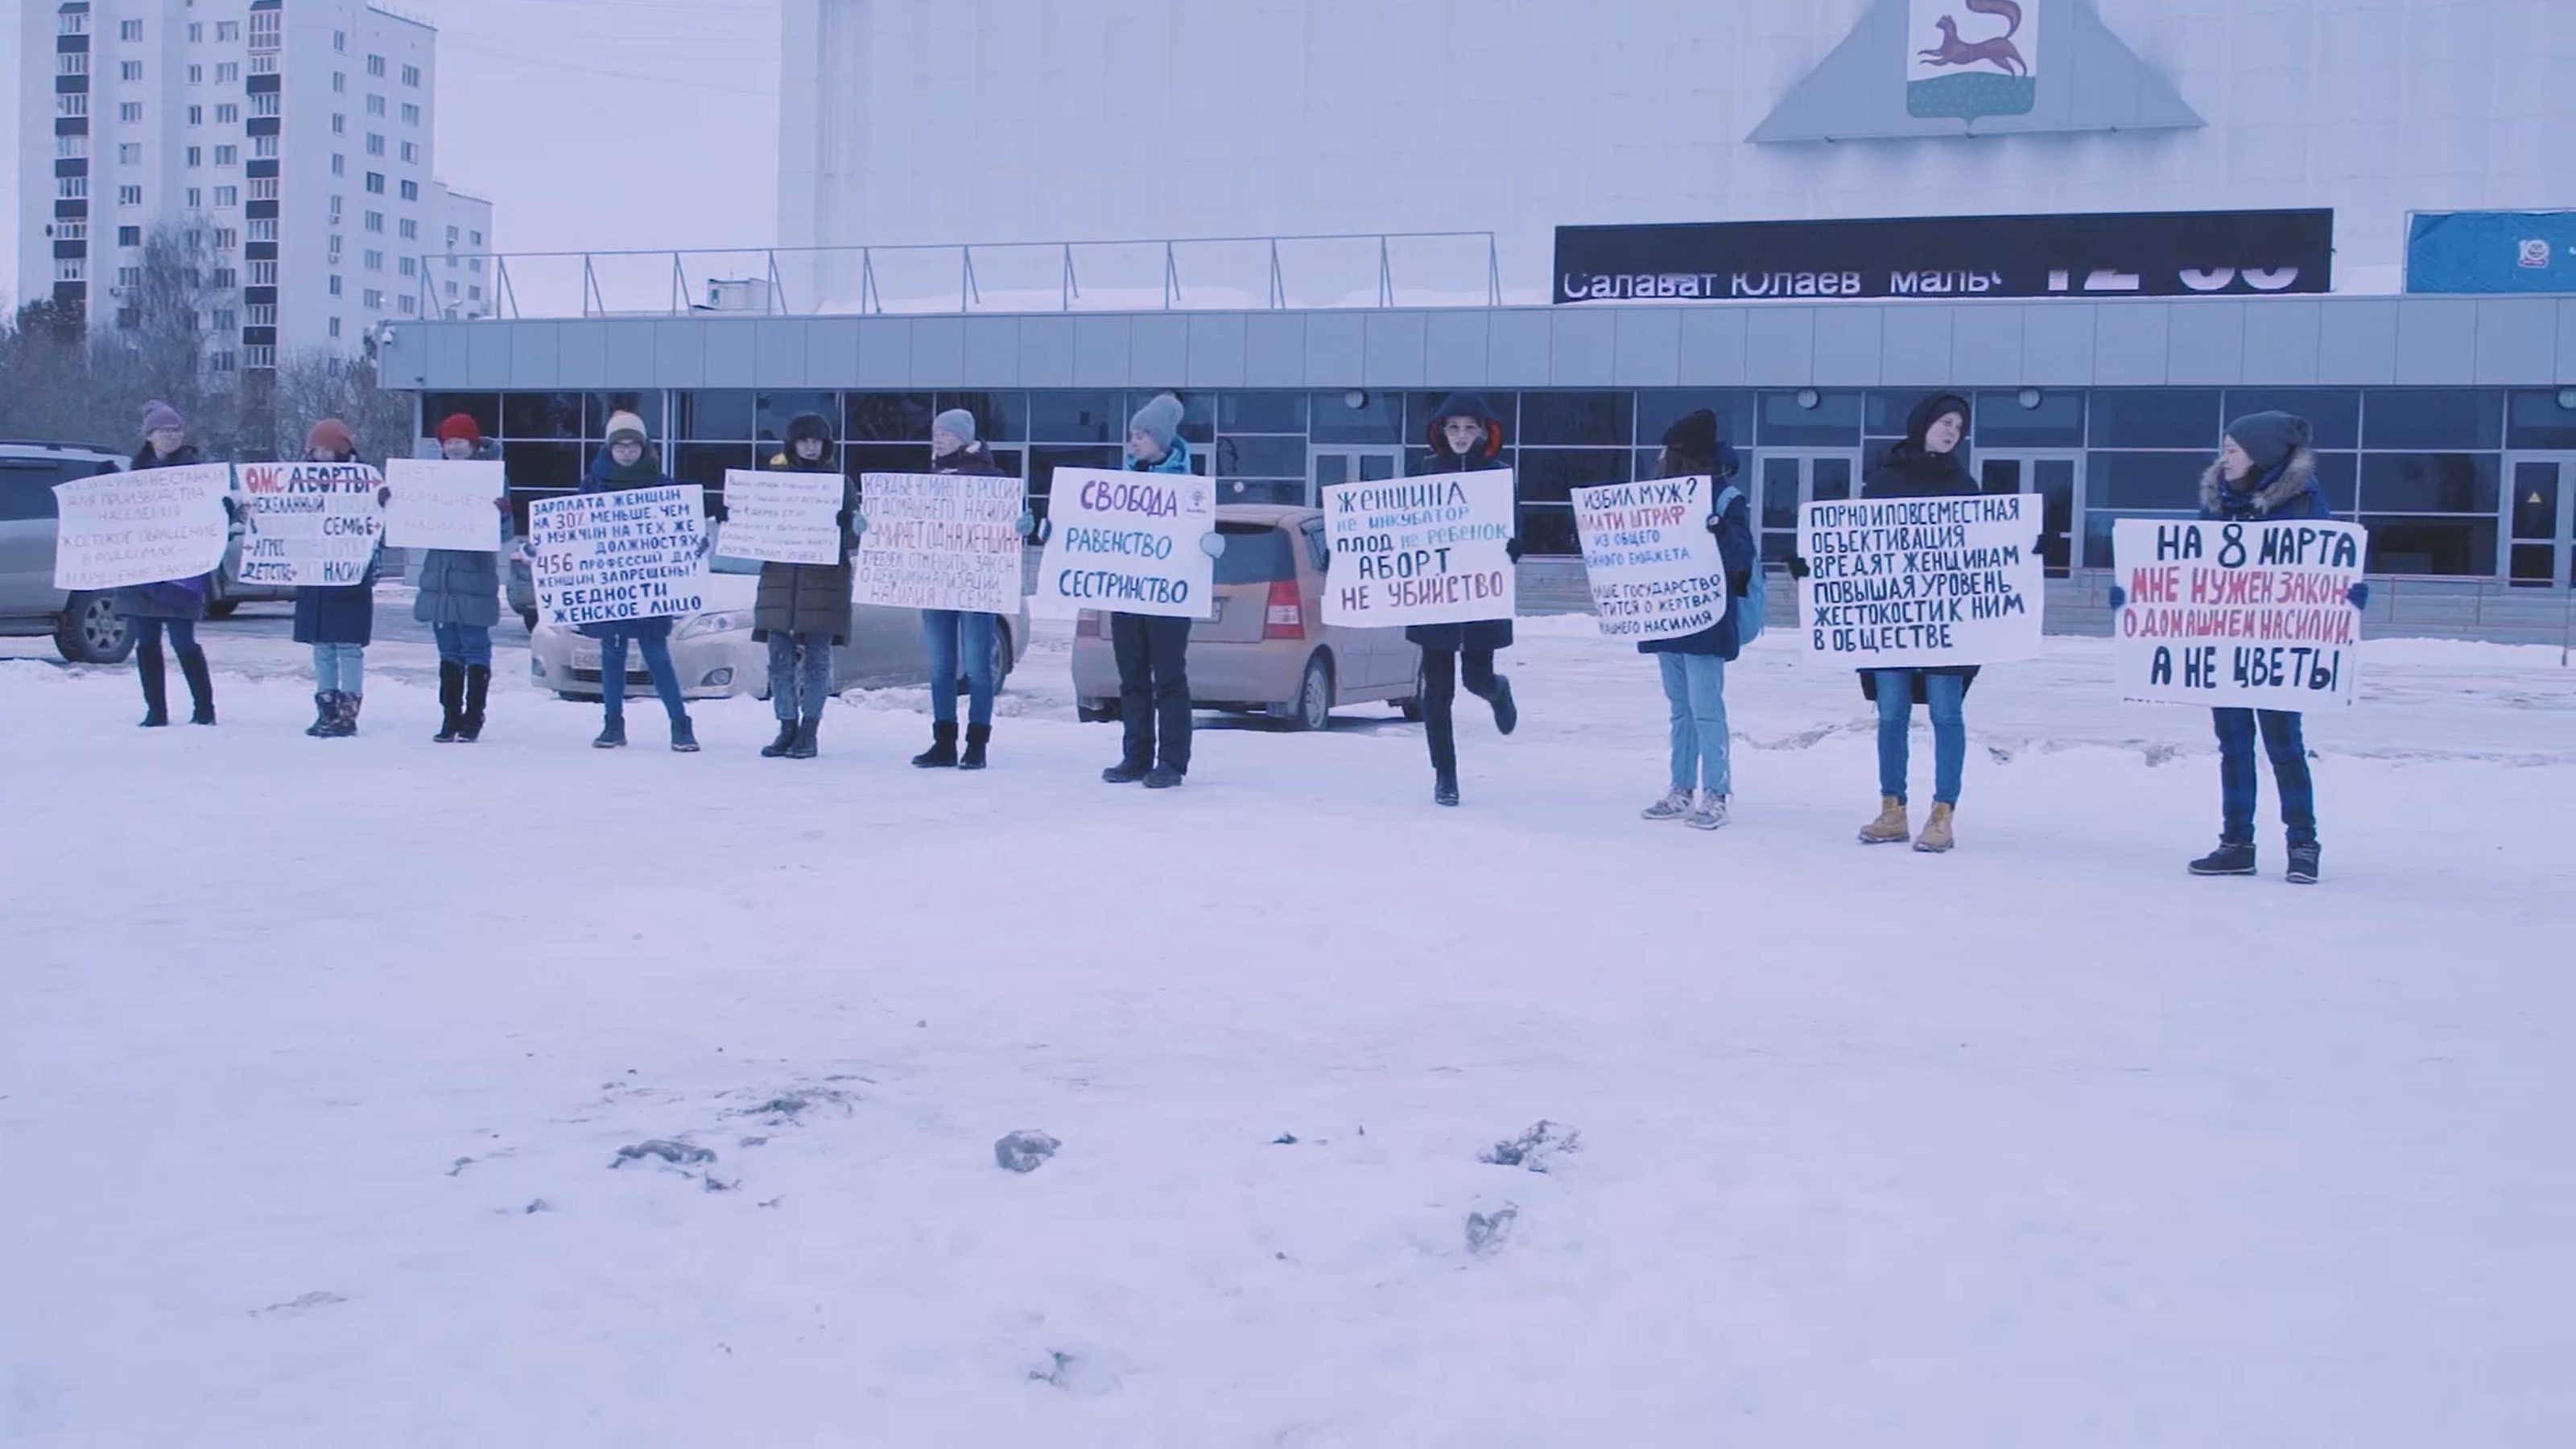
(459, 427)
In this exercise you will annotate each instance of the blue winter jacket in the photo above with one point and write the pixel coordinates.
(340, 613)
(2287, 489)
(1742, 556)
(1175, 461)
(606, 477)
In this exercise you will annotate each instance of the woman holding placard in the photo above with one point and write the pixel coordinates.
(1931, 462)
(958, 641)
(460, 600)
(337, 620)
(1694, 665)
(628, 462)
(803, 610)
(1153, 651)
(1465, 437)
(173, 605)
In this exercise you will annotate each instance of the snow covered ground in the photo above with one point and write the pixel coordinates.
(315, 1058)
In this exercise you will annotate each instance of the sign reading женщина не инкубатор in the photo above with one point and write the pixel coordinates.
(602, 558)
(1429, 550)
(2237, 615)
(1911, 583)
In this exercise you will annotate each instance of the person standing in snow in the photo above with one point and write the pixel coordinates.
(337, 620)
(460, 600)
(959, 640)
(803, 610)
(1466, 437)
(1153, 651)
(174, 606)
(1694, 665)
(2266, 470)
(627, 462)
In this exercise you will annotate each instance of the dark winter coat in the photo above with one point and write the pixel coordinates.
(171, 598)
(1912, 470)
(808, 598)
(340, 613)
(976, 460)
(1484, 633)
(606, 477)
(1743, 559)
(460, 587)
(2288, 490)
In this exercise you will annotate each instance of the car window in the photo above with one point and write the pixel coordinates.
(1255, 553)
(27, 484)
(1318, 549)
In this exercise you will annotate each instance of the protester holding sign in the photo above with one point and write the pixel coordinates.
(803, 610)
(460, 598)
(1694, 665)
(337, 620)
(624, 464)
(1465, 437)
(174, 605)
(959, 640)
(1153, 649)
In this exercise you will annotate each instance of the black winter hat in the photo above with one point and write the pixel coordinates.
(1929, 411)
(1694, 435)
(810, 425)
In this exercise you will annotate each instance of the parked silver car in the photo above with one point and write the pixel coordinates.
(86, 628)
(716, 657)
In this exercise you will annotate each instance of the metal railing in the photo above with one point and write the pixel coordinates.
(1269, 273)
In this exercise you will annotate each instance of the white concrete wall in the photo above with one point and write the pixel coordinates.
(1077, 119)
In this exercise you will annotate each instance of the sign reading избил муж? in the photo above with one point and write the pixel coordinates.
(2131, 254)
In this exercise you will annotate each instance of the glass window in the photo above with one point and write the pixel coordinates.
(2004, 422)
(1578, 419)
(1261, 457)
(1073, 417)
(2132, 481)
(2535, 501)
(1787, 421)
(717, 414)
(540, 465)
(1255, 553)
(2097, 529)
(541, 415)
(1547, 531)
(1660, 408)
(2337, 475)
(483, 407)
(887, 417)
(2535, 420)
(1000, 417)
(2432, 417)
(2158, 417)
(2430, 483)
(705, 463)
(1261, 412)
(1044, 461)
(2333, 413)
(1884, 413)
(2458, 547)
(599, 407)
(773, 411)
(860, 459)
(1379, 417)
(1547, 474)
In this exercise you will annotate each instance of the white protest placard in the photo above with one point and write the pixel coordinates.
(1127, 543)
(309, 525)
(1427, 550)
(942, 541)
(783, 517)
(2237, 615)
(1916, 583)
(121, 530)
(1655, 569)
(443, 504)
(599, 558)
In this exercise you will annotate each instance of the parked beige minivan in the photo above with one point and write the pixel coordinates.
(1268, 649)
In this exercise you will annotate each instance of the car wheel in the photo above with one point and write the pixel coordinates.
(92, 632)
(1313, 707)
(1001, 655)
(529, 618)
(223, 608)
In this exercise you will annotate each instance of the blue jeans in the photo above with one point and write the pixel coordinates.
(2240, 780)
(1695, 686)
(340, 668)
(657, 662)
(1947, 695)
(465, 645)
(960, 642)
(800, 674)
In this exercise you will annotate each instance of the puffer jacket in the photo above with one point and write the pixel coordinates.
(171, 598)
(808, 598)
(1484, 633)
(1743, 559)
(458, 587)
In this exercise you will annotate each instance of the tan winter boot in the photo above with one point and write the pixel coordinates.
(1890, 827)
(1936, 836)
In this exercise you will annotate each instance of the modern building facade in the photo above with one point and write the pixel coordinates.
(293, 141)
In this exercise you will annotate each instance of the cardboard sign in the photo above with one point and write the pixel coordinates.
(1655, 569)
(2237, 615)
(1127, 543)
(783, 517)
(1914, 583)
(309, 525)
(1427, 550)
(599, 558)
(121, 530)
(942, 541)
(445, 505)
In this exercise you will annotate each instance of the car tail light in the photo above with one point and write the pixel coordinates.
(1287, 616)
(1086, 625)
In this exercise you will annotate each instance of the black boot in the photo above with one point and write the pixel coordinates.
(805, 746)
(786, 741)
(478, 688)
(451, 702)
(1507, 711)
(201, 687)
(1444, 788)
(2304, 861)
(684, 735)
(1127, 771)
(326, 708)
(344, 720)
(977, 737)
(156, 691)
(612, 734)
(2230, 858)
(942, 754)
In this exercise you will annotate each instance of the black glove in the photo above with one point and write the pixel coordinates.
(841, 520)
(1797, 567)
(1715, 523)
(232, 511)
(1512, 549)
(715, 508)
(384, 496)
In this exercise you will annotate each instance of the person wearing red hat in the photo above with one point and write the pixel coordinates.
(460, 600)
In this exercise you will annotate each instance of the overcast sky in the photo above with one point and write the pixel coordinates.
(591, 124)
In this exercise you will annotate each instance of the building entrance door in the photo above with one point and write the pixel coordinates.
(1333, 463)
(2058, 479)
(2540, 520)
(1791, 480)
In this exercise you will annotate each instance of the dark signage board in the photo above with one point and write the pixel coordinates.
(2115, 254)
